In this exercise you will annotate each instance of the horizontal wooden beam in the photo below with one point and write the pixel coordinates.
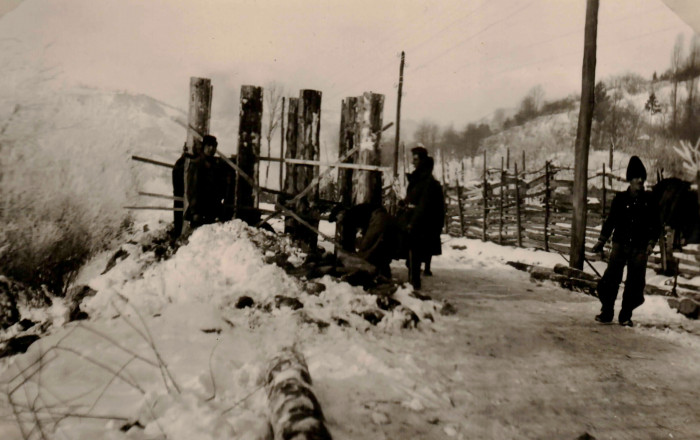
(152, 162)
(354, 166)
(155, 208)
(161, 196)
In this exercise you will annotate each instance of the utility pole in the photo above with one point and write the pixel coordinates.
(398, 117)
(583, 138)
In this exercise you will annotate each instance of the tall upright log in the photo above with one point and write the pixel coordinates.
(367, 185)
(291, 152)
(547, 195)
(502, 203)
(444, 191)
(308, 140)
(198, 117)
(605, 201)
(517, 206)
(199, 113)
(249, 135)
(281, 169)
(348, 114)
(485, 196)
(583, 138)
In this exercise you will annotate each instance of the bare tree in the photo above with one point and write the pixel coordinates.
(692, 68)
(676, 65)
(273, 116)
(428, 133)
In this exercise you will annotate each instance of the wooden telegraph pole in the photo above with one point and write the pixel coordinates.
(281, 172)
(398, 122)
(583, 138)
(249, 133)
(367, 185)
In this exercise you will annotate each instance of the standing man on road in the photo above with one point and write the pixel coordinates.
(634, 225)
(421, 209)
(437, 221)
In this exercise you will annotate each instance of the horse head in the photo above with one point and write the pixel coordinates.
(678, 207)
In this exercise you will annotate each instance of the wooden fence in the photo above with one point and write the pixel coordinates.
(534, 209)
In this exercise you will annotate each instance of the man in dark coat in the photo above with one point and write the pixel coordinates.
(437, 221)
(633, 223)
(204, 191)
(422, 208)
(179, 191)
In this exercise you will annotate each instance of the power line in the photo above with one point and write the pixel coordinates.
(451, 48)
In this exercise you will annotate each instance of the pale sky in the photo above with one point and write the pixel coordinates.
(465, 58)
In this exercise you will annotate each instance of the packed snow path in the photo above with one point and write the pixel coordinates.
(527, 361)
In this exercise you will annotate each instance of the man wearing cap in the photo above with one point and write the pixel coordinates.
(633, 223)
(422, 207)
(204, 193)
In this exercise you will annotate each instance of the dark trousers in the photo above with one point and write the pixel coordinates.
(415, 258)
(608, 286)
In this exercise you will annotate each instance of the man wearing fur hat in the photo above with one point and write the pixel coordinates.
(633, 223)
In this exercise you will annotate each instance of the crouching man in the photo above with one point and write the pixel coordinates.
(633, 223)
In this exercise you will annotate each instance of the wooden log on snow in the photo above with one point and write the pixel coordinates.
(295, 412)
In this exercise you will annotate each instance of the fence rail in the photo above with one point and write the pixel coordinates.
(534, 209)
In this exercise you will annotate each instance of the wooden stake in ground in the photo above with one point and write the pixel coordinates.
(367, 185)
(281, 172)
(484, 235)
(308, 143)
(348, 113)
(249, 135)
(517, 205)
(583, 138)
(197, 123)
(500, 211)
(291, 152)
(199, 112)
(444, 191)
(605, 201)
(547, 194)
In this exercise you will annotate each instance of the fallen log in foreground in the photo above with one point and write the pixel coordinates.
(295, 413)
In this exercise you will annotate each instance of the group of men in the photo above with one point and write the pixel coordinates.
(413, 234)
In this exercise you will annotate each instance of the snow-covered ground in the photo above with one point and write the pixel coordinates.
(166, 353)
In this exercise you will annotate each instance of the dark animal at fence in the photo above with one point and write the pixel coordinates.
(678, 209)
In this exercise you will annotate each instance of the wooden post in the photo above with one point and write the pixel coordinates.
(500, 215)
(583, 138)
(197, 124)
(249, 135)
(291, 151)
(308, 141)
(605, 201)
(523, 161)
(461, 209)
(398, 116)
(405, 164)
(485, 196)
(199, 113)
(546, 206)
(367, 185)
(517, 206)
(348, 113)
(281, 164)
(612, 148)
(444, 192)
(507, 158)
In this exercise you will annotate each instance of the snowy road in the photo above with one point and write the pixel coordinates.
(526, 361)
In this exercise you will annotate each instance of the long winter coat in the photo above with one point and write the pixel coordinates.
(425, 212)
(204, 190)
